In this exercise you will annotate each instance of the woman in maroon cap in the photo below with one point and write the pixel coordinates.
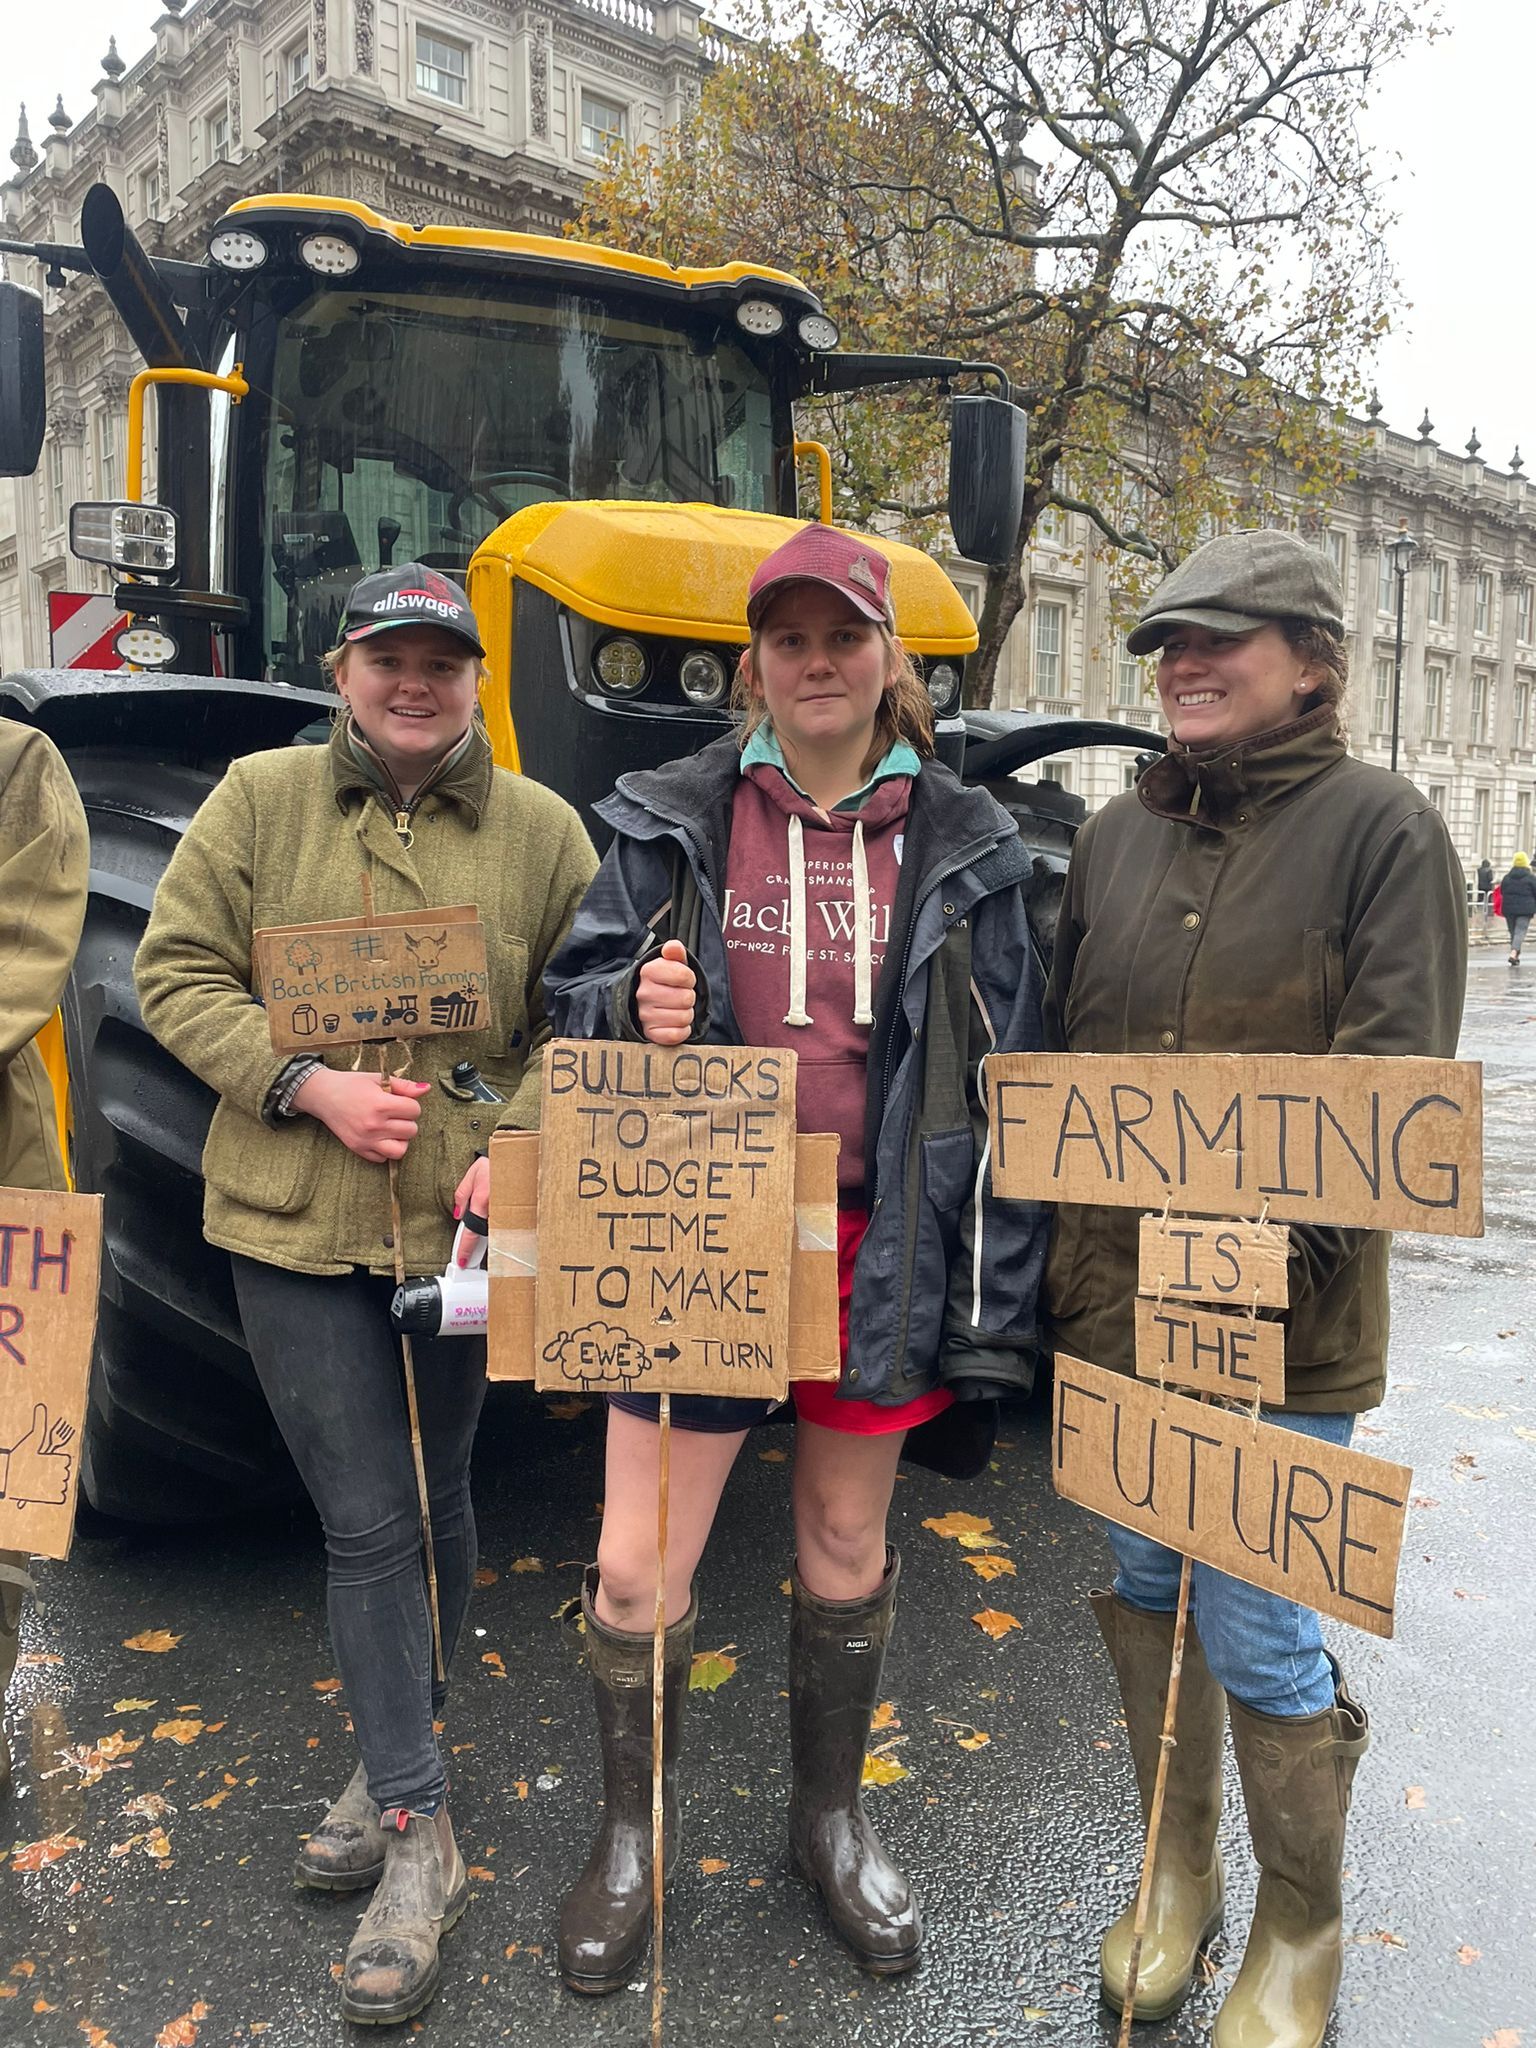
(298, 1186)
(817, 881)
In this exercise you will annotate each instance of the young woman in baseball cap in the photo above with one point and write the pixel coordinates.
(297, 1187)
(816, 881)
(1258, 892)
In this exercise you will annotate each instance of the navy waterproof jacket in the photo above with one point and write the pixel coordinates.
(946, 1278)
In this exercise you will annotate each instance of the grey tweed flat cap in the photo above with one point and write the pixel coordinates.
(1239, 582)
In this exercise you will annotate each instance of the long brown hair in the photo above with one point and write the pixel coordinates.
(905, 710)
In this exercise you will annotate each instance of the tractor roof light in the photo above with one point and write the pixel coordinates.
(329, 255)
(138, 538)
(760, 317)
(143, 646)
(237, 249)
(622, 667)
(818, 332)
(703, 679)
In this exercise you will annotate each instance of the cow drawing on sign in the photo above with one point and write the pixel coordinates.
(427, 947)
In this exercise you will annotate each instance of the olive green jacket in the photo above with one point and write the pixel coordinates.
(1275, 896)
(285, 839)
(44, 871)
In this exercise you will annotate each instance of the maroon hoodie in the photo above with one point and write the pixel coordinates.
(803, 964)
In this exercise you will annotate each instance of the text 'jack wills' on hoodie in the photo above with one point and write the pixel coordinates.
(807, 919)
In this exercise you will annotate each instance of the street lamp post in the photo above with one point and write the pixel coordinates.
(1402, 550)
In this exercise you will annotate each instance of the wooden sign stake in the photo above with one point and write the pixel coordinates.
(1167, 1746)
(658, 1681)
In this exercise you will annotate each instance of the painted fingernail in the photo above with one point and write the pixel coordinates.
(456, 1208)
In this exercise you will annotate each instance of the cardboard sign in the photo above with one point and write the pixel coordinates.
(50, 1257)
(1389, 1144)
(1240, 1265)
(409, 974)
(1311, 1521)
(513, 1258)
(666, 1218)
(1210, 1350)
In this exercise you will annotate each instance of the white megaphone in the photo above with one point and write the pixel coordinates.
(455, 1302)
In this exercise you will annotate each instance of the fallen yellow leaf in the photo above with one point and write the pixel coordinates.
(975, 1740)
(1468, 1954)
(528, 1564)
(496, 1664)
(35, 1855)
(1506, 2037)
(713, 1865)
(326, 1685)
(485, 1576)
(882, 1770)
(884, 1716)
(96, 2037)
(773, 1457)
(133, 1706)
(996, 1624)
(178, 1731)
(25, 1968)
(959, 1524)
(158, 1845)
(786, 1587)
(480, 1874)
(32, 1660)
(993, 1567)
(520, 1787)
(148, 1806)
(182, 2032)
(154, 1640)
(1413, 1798)
(711, 1668)
(215, 1799)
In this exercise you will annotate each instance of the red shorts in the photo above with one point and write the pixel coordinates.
(816, 1400)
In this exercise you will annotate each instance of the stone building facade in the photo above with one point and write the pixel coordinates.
(1467, 722)
(484, 113)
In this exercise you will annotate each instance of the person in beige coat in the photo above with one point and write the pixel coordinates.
(44, 869)
(297, 1171)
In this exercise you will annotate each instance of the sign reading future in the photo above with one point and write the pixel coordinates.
(408, 974)
(666, 1218)
(50, 1252)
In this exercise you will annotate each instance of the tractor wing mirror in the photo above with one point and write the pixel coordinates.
(988, 441)
(23, 398)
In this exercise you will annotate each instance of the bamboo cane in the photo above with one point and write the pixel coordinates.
(1155, 1811)
(658, 1680)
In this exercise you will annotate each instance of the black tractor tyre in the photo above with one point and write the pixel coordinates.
(177, 1429)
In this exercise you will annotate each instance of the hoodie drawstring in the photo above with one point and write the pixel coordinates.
(796, 1014)
(863, 918)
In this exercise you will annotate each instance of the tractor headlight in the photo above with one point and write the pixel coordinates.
(943, 681)
(329, 255)
(818, 332)
(622, 667)
(703, 679)
(143, 646)
(760, 317)
(237, 249)
(141, 538)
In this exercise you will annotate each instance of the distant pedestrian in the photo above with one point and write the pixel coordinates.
(1485, 887)
(1517, 900)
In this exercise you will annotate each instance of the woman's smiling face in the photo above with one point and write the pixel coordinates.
(1216, 688)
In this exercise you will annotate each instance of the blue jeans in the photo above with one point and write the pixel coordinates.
(329, 1365)
(1265, 1651)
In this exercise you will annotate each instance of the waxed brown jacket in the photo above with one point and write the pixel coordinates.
(285, 839)
(1272, 896)
(44, 871)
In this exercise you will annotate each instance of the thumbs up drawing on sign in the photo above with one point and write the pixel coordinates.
(36, 1468)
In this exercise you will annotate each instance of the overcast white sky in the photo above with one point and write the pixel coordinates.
(1455, 112)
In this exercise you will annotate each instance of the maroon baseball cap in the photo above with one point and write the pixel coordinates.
(844, 562)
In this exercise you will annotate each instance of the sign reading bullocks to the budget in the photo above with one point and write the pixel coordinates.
(50, 1257)
(407, 974)
(666, 1218)
(1374, 1144)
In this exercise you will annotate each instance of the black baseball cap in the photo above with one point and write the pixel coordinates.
(412, 595)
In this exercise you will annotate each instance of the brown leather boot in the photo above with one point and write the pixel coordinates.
(346, 1852)
(836, 1654)
(605, 1921)
(392, 1966)
(1297, 1776)
(1185, 1906)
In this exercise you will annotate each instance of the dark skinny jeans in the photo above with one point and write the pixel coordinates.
(329, 1365)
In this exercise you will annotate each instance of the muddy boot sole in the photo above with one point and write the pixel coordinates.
(417, 2000)
(309, 1878)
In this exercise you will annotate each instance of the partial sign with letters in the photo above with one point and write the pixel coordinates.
(666, 1218)
(50, 1256)
(408, 974)
(1226, 1263)
(1210, 1350)
(1374, 1144)
(1312, 1521)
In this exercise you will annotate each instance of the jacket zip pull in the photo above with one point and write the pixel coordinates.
(403, 828)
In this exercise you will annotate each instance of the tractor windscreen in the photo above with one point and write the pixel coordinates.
(406, 427)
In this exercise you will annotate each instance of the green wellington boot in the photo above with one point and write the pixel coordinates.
(836, 1654)
(346, 1852)
(605, 1921)
(1296, 1778)
(393, 1966)
(1185, 1907)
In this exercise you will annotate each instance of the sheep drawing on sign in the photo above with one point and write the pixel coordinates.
(598, 1356)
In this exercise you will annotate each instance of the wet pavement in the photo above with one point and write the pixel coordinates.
(177, 1781)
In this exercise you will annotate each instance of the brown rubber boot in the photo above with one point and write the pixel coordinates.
(1296, 1778)
(836, 1654)
(605, 1921)
(392, 1966)
(1185, 1906)
(346, 1852)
